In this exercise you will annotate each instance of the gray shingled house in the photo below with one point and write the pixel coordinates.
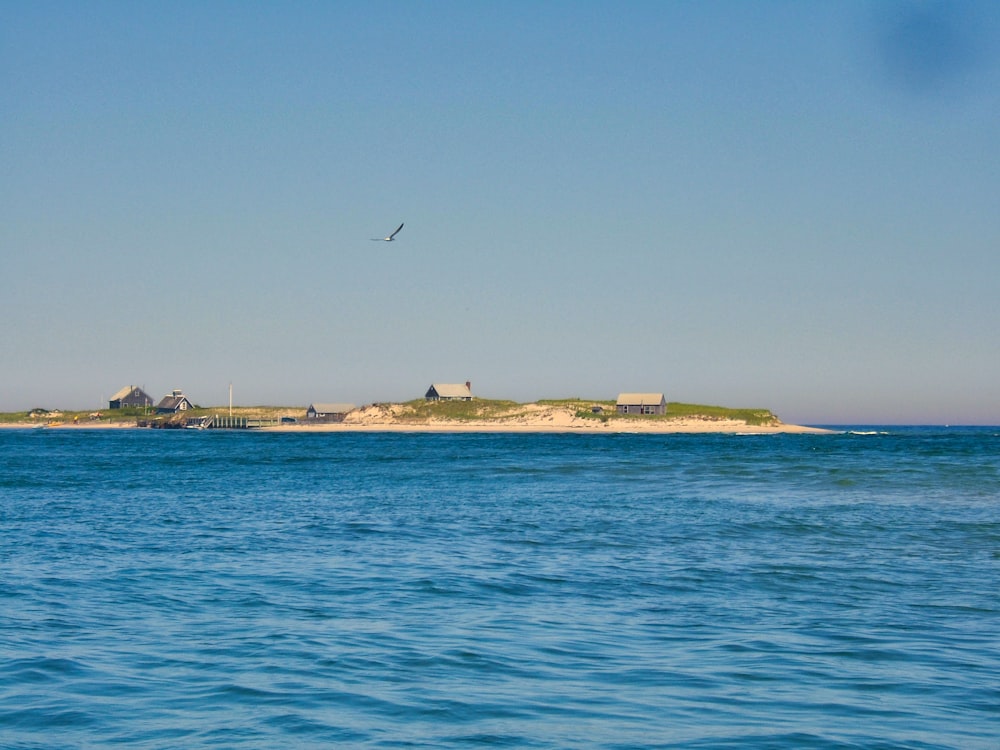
(641, 403)
(449, 392)
(130, 396)
(174, 403)
(328, 412)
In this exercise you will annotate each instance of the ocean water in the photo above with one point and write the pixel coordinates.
(201, 589)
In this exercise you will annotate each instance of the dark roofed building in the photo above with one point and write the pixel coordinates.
(174, 403)
(328, 412)
(130, 396)
(449, 392)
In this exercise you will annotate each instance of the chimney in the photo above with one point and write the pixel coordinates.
(468, 384)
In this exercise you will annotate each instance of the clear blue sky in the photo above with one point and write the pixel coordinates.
(785, 205)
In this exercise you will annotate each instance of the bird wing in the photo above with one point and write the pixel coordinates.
(396, 232)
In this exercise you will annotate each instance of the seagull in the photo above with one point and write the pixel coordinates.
(390, 238)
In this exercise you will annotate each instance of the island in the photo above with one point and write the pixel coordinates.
(570, 415)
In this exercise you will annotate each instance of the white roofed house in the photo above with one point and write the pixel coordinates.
(328, 412)
(449, 392)
(641, 403)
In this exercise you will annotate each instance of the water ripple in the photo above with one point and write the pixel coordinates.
(254, 590)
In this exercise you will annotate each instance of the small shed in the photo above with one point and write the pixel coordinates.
(449, 392)
(174, 402)
(130, 396)
(328, 412)
(641, 403)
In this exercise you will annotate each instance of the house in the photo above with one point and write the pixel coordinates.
(328, 412)
(130, 395)
(174, 403)
(641, 403)
(449, 392)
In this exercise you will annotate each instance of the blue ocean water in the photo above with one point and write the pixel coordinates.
(199, 589)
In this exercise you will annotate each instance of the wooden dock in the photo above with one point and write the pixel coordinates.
(213, 422)
(220, 422)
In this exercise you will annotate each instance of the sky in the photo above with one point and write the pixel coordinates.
(776, 205)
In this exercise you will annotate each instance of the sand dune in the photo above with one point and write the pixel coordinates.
(532, 418)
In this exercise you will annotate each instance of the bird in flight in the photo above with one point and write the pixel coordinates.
(390, 238)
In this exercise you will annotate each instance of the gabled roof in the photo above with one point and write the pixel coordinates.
(123, 393)
(331, 408)
(640, 398)
(452, 390)
(173, 403)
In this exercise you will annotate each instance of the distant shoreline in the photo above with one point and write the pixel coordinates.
(680, 427)
(524, 419)
(662, 428)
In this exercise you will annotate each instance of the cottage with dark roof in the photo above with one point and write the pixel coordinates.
(174, 403)
(328, 412)
(449, 392)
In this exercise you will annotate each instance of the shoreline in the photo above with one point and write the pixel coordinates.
(674, 427)
(527, 430)
(677, 427)
(548, 418)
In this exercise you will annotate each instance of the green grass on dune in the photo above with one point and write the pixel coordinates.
(486, 409)
(675, 410)
(421, 410)
(750, 416)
